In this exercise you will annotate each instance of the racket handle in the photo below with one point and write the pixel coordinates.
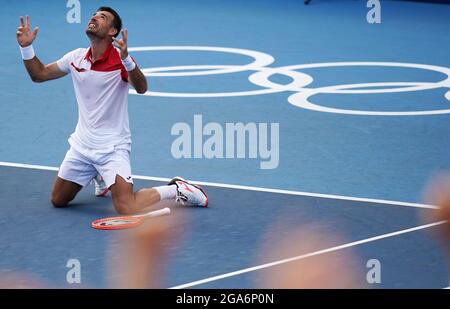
(156, 213)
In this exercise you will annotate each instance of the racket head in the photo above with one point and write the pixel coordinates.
(116, 223)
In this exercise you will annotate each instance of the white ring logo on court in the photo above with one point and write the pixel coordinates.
(300, 98)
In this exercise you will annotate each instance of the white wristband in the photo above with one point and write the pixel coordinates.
(129, 64)
(27, 52)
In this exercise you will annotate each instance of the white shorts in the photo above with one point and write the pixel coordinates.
(82, 166)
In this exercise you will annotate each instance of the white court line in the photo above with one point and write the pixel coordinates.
(248, 188)
(304, 256)
(259, 189)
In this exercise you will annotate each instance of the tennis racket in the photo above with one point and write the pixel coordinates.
(126, 222)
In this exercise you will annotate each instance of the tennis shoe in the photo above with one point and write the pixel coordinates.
(101, 190)
(189, 194)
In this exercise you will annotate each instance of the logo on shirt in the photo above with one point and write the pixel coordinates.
(78, 69)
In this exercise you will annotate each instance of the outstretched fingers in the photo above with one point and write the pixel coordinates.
(27, 26)
(117, 43)
(125, 35)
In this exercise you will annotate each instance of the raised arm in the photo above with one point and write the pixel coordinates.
(135, 76)
(36, 69)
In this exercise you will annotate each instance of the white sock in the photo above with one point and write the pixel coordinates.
(167, 192)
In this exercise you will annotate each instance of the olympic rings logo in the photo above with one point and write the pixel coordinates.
(302, 94)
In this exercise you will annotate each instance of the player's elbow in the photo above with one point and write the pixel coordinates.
(37, 79)
(141, 86)
(142, 89)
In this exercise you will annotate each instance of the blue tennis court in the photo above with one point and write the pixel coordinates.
(350, 120)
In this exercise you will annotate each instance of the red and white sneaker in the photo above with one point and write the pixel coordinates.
(189, 194)
(101, 190)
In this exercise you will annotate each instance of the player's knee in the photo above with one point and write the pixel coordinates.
(58, 201)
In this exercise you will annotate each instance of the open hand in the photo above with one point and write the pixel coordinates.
(122, 44)
(25, 36)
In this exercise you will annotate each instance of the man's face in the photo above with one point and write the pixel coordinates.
(100, 25)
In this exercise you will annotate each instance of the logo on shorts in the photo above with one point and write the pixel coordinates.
(129, 178)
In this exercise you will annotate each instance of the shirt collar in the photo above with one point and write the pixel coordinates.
(102, 58)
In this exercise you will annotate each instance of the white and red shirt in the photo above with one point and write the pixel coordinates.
(101, 89)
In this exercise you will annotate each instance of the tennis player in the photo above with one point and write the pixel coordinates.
(101, 143)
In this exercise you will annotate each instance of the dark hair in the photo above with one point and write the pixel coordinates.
(117, 22)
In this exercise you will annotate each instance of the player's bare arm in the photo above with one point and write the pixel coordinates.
(135, 76)
(36, 69)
